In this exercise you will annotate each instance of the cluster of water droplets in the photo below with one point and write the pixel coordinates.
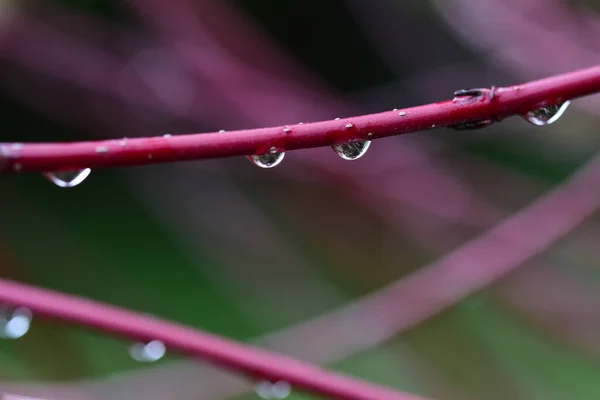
(14, 323)
(547, 114)
(68, 179)
(277, 390)
(350, 150)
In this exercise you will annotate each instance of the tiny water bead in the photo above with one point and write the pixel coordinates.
(15, 324)
(352, 150)
(270, 159)
(547, 114)
(67, 179)
(277, 390)
(148, 352)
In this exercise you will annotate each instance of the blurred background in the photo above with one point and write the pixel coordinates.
(453, 265)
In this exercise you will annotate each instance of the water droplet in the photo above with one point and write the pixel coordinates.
(268, 160)
(348, 126)
(101, 149)
(167, 135)
(277, 390)
(352, 150)
(123, 142)
(287, 129)
(547, 114)
(222, 131)
(16, 324)
(67, 179)
(149, 352)
(402, 113)
(337, 119)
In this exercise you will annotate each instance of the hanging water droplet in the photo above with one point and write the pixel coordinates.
(547, 114)
(277, 390)
(352, 150)
(268, 160)
(67, 179)
(148, 352)
(14, 325)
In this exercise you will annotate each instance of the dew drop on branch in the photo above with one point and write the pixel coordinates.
(352, 150)
(277, 390)
(15, 324)
(268, 160)
(547, 114)
(148, 352)
(67, 179)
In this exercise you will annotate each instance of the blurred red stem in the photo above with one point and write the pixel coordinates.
(226, 353)
(112, 153)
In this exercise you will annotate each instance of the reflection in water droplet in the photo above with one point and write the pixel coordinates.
(352, 150)
(277, 390)
(16, 324)
(547, 114)
(150, 352)
(67, 179)
(267, 160)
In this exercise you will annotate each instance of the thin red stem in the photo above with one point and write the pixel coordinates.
(515, 100)
(226, 353)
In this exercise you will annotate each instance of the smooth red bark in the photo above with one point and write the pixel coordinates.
(514, 100)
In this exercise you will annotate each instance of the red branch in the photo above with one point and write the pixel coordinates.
(515, 100)
(226, 353)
